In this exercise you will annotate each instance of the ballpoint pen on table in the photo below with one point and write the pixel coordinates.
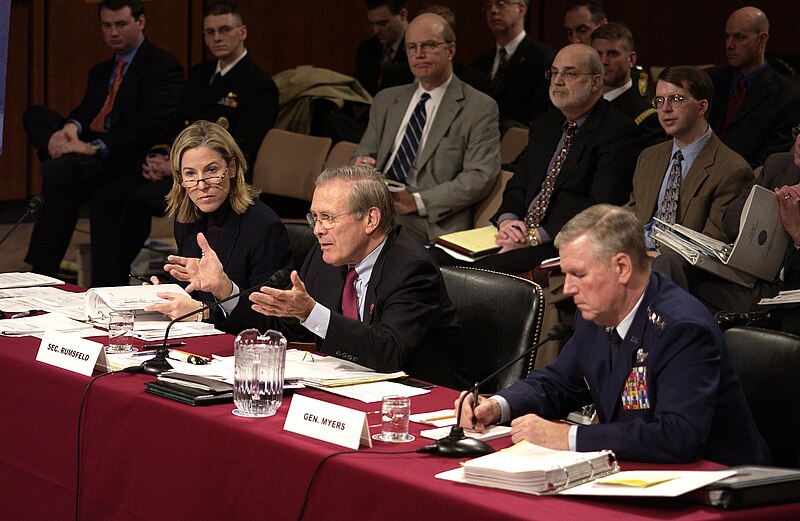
(169, 344)
(474, 404)
(23, 314)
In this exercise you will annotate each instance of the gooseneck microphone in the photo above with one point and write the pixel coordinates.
(157, 365)
(34, 205)
(457, 444)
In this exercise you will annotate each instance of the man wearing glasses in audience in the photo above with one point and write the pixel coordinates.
(515, 65)
(691, 179)
(230, 90)
(437, 138)
(368, 292)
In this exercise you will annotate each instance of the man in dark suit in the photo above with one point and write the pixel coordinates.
(375, 55)
(756, 107)
(230, 90)
(555, 181)
(711, 174)
(456, 157)
(367, 292)
(516, 65)
(614, 43)
(128, 102)
(647, 354)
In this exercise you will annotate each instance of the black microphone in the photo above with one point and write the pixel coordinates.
(457, 444)
(34, 205)
(157, 365)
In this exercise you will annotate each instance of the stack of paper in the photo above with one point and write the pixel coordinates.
(100, 301)
(533, 469)
(469, 245)
(26, 280)
(328, 371)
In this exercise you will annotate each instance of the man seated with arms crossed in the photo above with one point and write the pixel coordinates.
(368, 292)
(438, 136)
(645, 352)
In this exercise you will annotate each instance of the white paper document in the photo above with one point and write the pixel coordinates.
(491, 433)
(26, 280)
(372, 392)
(329, 371)
(666, 483)
(441, 418)
(36, 325)
(100, 301)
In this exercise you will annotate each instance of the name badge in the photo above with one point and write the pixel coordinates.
(328, 422)
(69, 352)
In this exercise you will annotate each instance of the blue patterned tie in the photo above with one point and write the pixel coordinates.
(668, 210)
(410, 144)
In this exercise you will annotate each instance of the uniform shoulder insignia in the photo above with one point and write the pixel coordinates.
(655, 319)
(644, 115)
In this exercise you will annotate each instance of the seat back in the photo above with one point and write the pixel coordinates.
(768, 365)
(288, 163)
(341, 153)
(486, 208)
(501, 316)
(301, 240)
(512, 144)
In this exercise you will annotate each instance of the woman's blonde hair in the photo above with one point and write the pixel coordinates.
(212, 136)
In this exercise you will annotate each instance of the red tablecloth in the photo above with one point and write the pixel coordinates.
(146, 457)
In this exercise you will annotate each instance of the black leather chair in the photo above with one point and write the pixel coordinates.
(301, 240)
(501, 316)
(768, 364)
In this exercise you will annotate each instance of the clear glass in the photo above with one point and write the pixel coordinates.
(395, 411)
(259, 363)
(120, 332)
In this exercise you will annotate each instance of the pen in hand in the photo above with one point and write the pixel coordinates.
(140, 278)
(474, 404)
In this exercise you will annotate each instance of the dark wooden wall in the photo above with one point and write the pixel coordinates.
(54, 42)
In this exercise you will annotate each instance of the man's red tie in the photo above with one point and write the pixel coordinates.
(349, 298)
(735, 102)
(99, 121)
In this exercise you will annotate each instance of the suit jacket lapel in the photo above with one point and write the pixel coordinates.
(376, 277)
(761, 91)
(130, 82)
(655, 177)
(697, 174)
(581, 139)
(394, 118)
(449, 107)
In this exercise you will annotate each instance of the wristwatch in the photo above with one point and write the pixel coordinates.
(532, 237)
(96, 145)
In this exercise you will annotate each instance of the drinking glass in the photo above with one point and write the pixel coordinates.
(120, 332)
(395, 411)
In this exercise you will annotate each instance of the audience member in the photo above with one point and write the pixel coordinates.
(614, 43)
(756, 107)
(439, 137)
(127, 105)
(581, 18)
(515, 65)
(369, 293)
(400, 74)
(647, 354)
(582, 154)
(230, 90)
(217, 211)
(691, 179)
(375, 55)
(781, 173)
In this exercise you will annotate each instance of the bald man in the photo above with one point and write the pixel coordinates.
(756, 107)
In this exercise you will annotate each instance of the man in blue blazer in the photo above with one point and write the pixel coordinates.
(646, 353)
(457, 158)
(128, 102)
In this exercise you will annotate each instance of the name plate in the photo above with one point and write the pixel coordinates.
(69, 352)
(328, 422)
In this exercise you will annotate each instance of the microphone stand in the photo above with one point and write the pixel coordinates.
(457, 444)
(158, 364)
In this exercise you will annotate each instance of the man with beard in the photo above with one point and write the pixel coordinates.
(582, 154)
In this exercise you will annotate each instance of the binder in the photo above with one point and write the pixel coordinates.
(751, 486)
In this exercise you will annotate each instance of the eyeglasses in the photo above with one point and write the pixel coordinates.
(210, 177)
(500, 4)
(425, 47)
(224, 30)
(568, 75)
(795, 132)
(326, 220)
(675, 101)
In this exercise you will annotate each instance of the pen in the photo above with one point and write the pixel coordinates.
(22, 333)
(189, 358)
(139, 278)
(24, 313)
(144, 353)
(170, 344)
(437, 418)
(474, 404)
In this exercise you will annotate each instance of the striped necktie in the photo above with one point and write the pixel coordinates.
(501, 66)
(99, 121)
(411, 139)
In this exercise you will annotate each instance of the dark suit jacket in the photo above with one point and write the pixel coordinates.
(251, 247)
(409, 321)
(763, 124)
(642, 113)
(696, 406)
(246, 97)
(717, 176)
(522, 90)
(144, 105)
(598, 169)
(368, 64)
